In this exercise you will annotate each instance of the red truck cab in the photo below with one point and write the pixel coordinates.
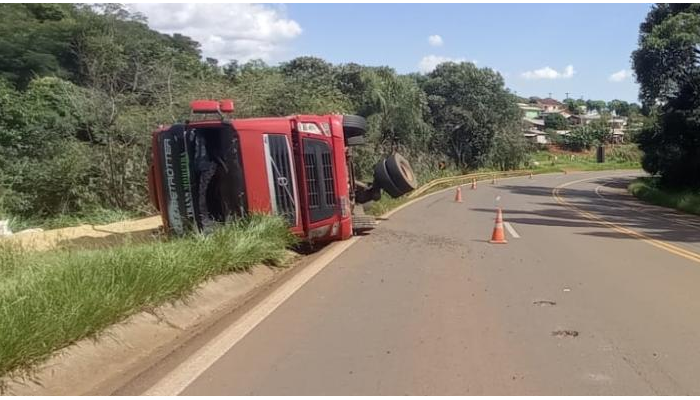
(206, 172)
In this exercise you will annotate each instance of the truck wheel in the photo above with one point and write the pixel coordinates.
(383, 179)
(401, 173)
(354, 125)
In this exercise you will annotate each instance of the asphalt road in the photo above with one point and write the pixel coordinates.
(598, 295)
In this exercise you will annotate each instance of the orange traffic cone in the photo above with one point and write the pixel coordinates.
(499, 235)
(473, 183)
(493, 178)
(530, 175)
(458, 195)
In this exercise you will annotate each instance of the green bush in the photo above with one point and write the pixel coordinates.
(586, 136)
(629, 153)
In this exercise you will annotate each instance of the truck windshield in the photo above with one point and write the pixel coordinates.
(218, 189)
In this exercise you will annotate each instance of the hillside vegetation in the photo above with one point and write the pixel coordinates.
(82, 87)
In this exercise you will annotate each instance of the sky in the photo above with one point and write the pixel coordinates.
(580, 49)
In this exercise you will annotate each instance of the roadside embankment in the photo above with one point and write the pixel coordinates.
(51, 299)
(650, 190)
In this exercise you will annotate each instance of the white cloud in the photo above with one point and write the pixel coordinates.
(620, 75)
(225, 31)
(428, 63)
(435, 40)
(550, 73)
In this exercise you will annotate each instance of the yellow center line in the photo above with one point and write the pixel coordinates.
(692, 256)
(646, 208)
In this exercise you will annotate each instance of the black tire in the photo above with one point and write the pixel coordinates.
(401, 173)
(383, 179)
(354, 125)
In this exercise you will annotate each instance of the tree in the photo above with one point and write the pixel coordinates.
(668, 41)
(35, 39)
(469, 107)
(667, 66)
(620, 107)
(312, 87)
(576, 107)
(598, 105)
(398, 106)
(556, 122)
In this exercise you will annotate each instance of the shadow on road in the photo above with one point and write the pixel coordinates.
(615, 206)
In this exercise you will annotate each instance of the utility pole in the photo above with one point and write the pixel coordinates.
(550, 95)
(567, 95)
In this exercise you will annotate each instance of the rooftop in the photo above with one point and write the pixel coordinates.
(549, 102)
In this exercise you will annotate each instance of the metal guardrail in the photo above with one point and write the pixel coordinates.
(455, 179)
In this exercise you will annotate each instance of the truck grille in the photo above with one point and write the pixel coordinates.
(312, 180)
(320, 181)
(328, 178)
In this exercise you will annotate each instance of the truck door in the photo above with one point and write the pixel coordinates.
(281, 179)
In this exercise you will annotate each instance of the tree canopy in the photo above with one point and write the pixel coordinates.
(667, 65)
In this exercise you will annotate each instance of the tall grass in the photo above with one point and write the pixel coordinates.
(49, 300)
(650, 190)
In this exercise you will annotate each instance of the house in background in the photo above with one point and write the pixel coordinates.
(535, 112)
(550, 105)
(533, 130)
(530, 111)
(584, 119)
(619, 129)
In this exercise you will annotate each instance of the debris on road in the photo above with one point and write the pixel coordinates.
(565, 333)
(544, 303)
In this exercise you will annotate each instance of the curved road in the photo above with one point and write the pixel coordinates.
(598, 295)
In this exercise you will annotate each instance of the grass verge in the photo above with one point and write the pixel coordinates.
(626, 156)
(49, 300)
(649, 190)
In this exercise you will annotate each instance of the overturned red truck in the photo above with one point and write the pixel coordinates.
(216, 169)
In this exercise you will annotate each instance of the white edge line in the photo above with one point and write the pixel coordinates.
(511, 230)
(180, 378)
